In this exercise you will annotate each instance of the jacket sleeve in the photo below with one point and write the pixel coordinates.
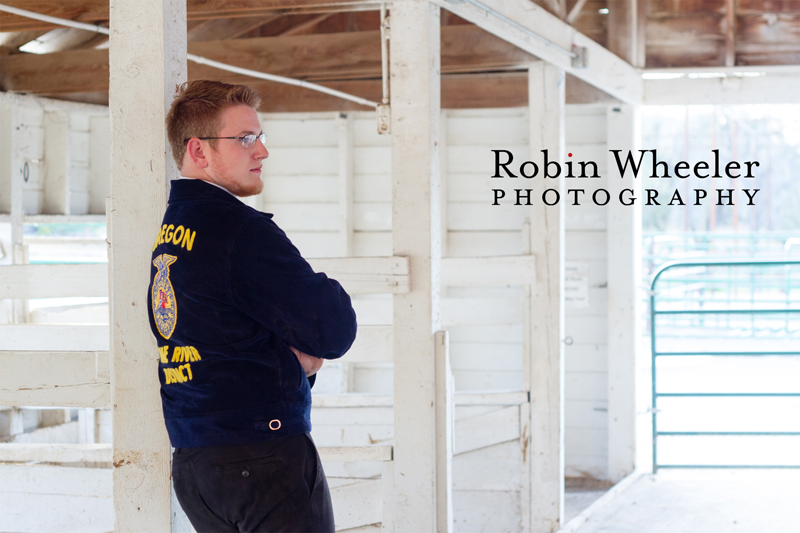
(271, 282)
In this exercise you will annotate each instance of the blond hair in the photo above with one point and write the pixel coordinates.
(197, 109)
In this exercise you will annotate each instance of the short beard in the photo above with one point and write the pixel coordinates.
(244, 192)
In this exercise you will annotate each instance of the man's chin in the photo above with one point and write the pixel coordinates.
(253, 190)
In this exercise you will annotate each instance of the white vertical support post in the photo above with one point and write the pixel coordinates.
(345, 121)
(443, 185)
(444, 434)
(99, 163)
(147, 59)
(415, 90)
(546, 117)
(56, 163)
(12, 176)
(624, 225)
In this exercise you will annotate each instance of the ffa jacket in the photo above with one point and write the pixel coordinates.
(228, 295)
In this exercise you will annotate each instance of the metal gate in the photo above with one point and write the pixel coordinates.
(688, 298)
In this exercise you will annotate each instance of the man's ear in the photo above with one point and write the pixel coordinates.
(195, 151)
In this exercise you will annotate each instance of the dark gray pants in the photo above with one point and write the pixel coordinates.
(272, 486)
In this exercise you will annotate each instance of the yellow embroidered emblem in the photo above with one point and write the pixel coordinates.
(165, 308)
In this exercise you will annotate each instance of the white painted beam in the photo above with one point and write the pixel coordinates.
(605, 70)
(54, 281)
(415, 91)
(545, 370)
(489, 271)
(54, 379)
(147, 60)
(624, 228)
(367, 275)
(777, 88)
(384, 400)
(64, 338)
(55, 453)
(347, 454)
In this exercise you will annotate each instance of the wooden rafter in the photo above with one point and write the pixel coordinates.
(232, 28)
(97, 10)
(350, 55)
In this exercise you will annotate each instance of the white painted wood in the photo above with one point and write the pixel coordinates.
(485, 510)
(345, 122)
(499, 425)
(355, 453)
(56, 163)
(367, 275)
(99, 164)
(357, 504)
(481, 311)
(147, 60)
(624, 300)
(49, 104)
(415, 90)
(53, 337)
(774, 88)
(65, 379)
(64, 219)
(546, 368)
(497, 467)
(373, 344)
(509, 270)
(54, 281)
(55, 453)
(55, 499)
(605, 70)
(444, 434)
(382, 400)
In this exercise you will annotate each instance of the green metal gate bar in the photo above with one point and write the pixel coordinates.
(654, 312)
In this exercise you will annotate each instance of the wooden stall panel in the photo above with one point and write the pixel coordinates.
(58, 379)
(65, 499)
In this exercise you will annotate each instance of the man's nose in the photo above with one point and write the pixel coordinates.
(261, 150)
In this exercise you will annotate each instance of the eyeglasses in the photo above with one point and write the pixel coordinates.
(247, 140)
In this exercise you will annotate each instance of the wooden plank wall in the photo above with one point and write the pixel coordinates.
(586, 379)
(303, 188)
(60, 151)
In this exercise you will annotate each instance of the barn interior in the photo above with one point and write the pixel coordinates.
(500, 380)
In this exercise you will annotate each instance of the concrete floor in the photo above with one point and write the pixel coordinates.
(704, 501)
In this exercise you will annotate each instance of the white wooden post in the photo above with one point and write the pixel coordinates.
(12, 168)
(415, 109)
(546, 369)
(147, 59)
(345, 122)
(444, 434)
(624, 225)
(56, 163)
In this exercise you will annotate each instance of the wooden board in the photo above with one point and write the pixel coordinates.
(63, 379)
(53, 281)
(53, 337)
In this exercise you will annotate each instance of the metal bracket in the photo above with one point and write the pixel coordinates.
(384, 114)
(580, 59)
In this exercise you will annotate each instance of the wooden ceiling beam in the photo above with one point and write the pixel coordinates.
(351, 55)
(459, 91)
(231, 28)
(95, 11)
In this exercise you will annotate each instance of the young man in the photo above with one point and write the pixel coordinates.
(243, 324)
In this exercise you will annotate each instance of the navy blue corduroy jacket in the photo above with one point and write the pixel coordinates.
(228, 295)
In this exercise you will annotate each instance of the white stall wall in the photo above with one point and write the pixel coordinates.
(303, 186)
(586, 435)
